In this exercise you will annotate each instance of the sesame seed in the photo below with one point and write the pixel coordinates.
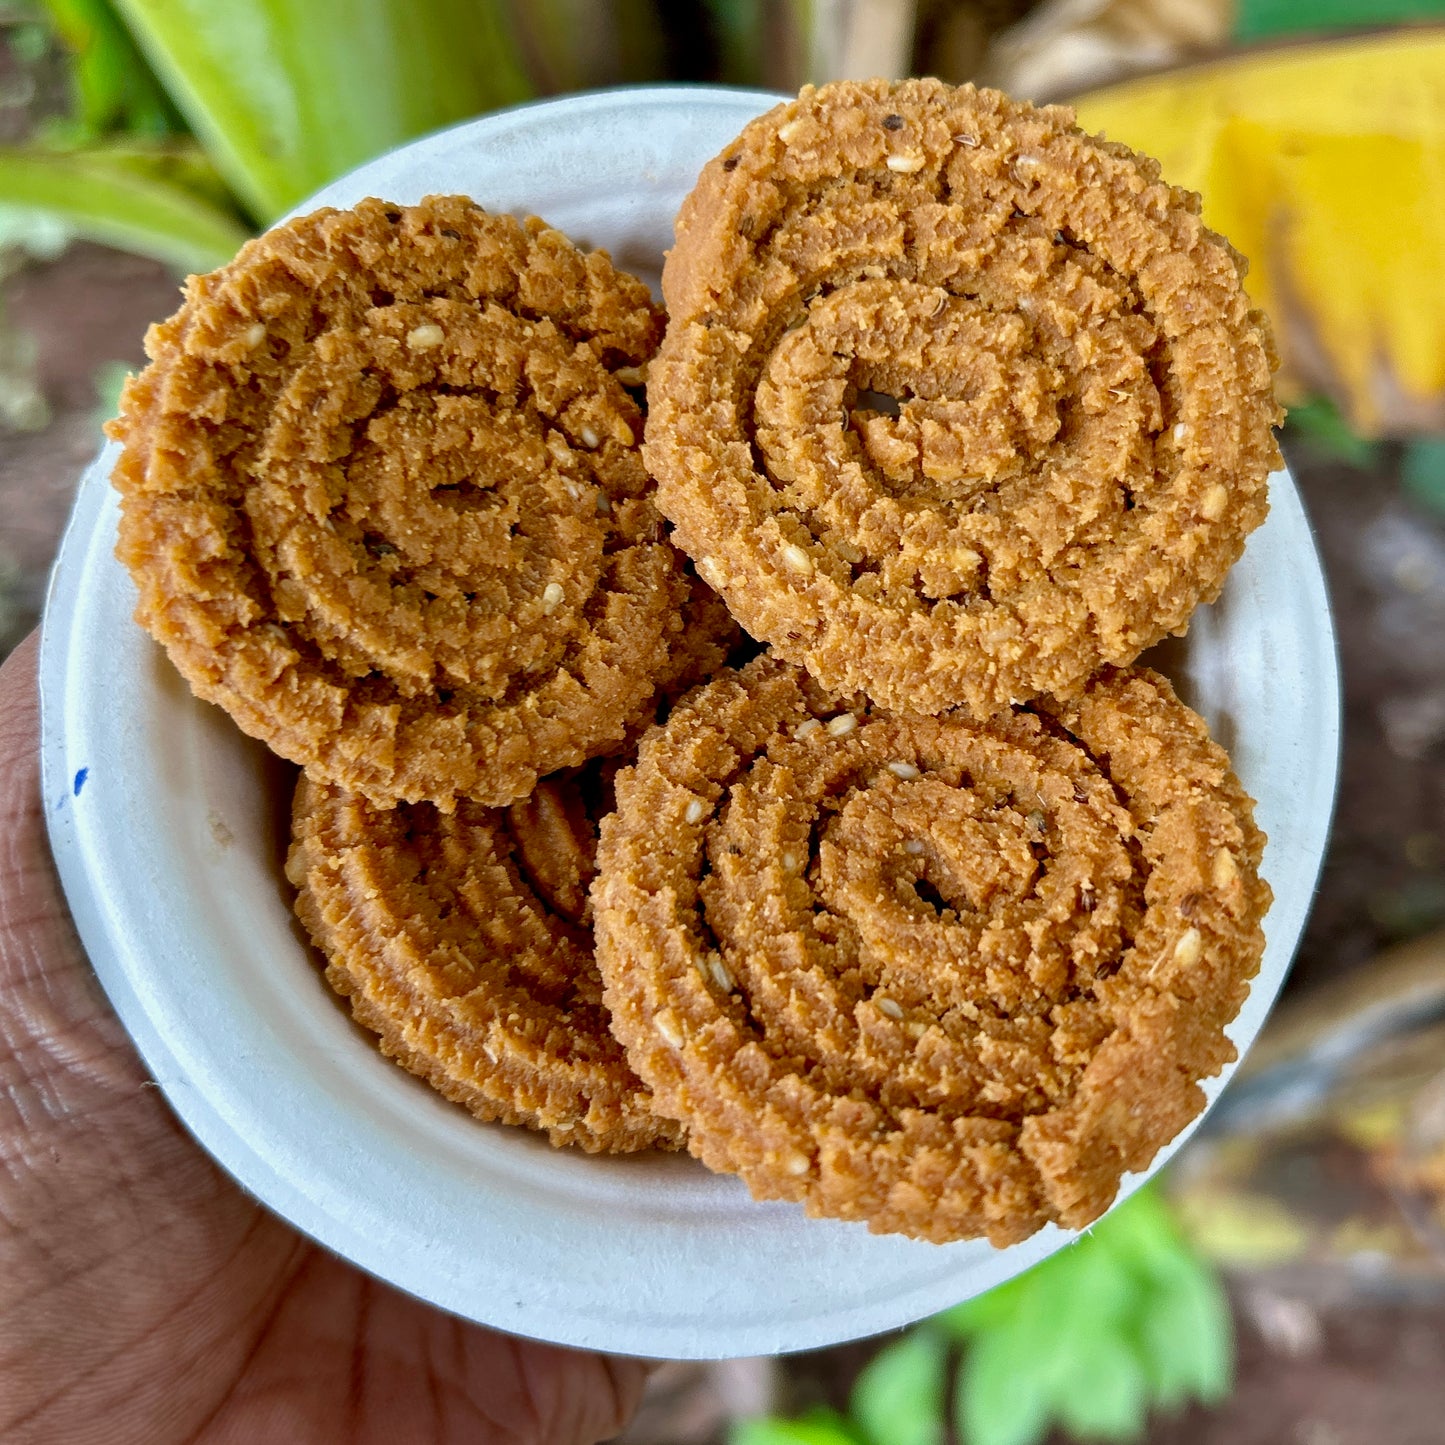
(903, 770)
(806, 728)
(668, 1026)
(1027, 162)
(694, 811)
(1181, 430)
(842, 725)
(891, 1007)
(790, 132)
(588, 437)
(913, 845)
(721, 974)
(790, 862)
(966, 140)
(631, 375)
(1189, 948)
(428, 334)
(1225, 869)
(551, 597)
(603, 504)
(1215, 502)
(796, 558)
(255, 334)
(905, 164)
(795, 1164)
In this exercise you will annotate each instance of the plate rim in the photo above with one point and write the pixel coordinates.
(103, 925)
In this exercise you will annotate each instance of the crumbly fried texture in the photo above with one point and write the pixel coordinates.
(956, 403)
(953, 978)
(463, 940)
(384, 500)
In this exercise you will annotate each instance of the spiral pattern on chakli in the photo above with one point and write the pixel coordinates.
(950, 977)
(464, 941)
(384, 500)
(956, 403)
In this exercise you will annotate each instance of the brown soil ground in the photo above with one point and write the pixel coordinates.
(1320, 1364)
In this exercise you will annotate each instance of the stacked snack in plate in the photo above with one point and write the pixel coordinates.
(930, 915)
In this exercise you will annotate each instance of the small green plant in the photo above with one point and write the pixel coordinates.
(1125, 1320)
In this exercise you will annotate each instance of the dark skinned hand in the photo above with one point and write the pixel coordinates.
(143, 1297)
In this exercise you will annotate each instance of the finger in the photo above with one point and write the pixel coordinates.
(346, 1358)
(125, 1256)
(141, 1294)
(56, 1030)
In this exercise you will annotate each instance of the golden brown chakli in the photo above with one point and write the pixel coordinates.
(948, 977)
(463, 940)
(384, 500)
(956, 403)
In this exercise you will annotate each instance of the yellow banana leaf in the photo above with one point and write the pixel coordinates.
(1324, 164)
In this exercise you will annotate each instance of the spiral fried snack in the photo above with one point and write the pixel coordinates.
(956, 403)
(462, 939)
(951, 978)
(384, 500)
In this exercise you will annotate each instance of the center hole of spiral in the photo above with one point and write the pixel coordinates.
(878, 401)
(928, 894)
(464, 496)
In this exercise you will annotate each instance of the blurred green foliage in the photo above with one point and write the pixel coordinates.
(193, 122)
(1261, 19)
(1318, 422)
(1125, 1320)
(1422, 472)
(114, 88)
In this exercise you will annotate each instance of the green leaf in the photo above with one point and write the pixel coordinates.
(287, 94)
(136, 200)
(1142, 1237)
(1423, 472)
(1187, 1339)
(1125, 1317)
(1256, 19)
(984, 1311)
(898, 1398)
(115, 88)
(1320, 424)
(1000, 1400)
(1108, 1398)
(818, 1427)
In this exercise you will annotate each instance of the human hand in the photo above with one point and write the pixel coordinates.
(143, 1296)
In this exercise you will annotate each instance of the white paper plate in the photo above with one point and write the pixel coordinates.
(168, 826)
